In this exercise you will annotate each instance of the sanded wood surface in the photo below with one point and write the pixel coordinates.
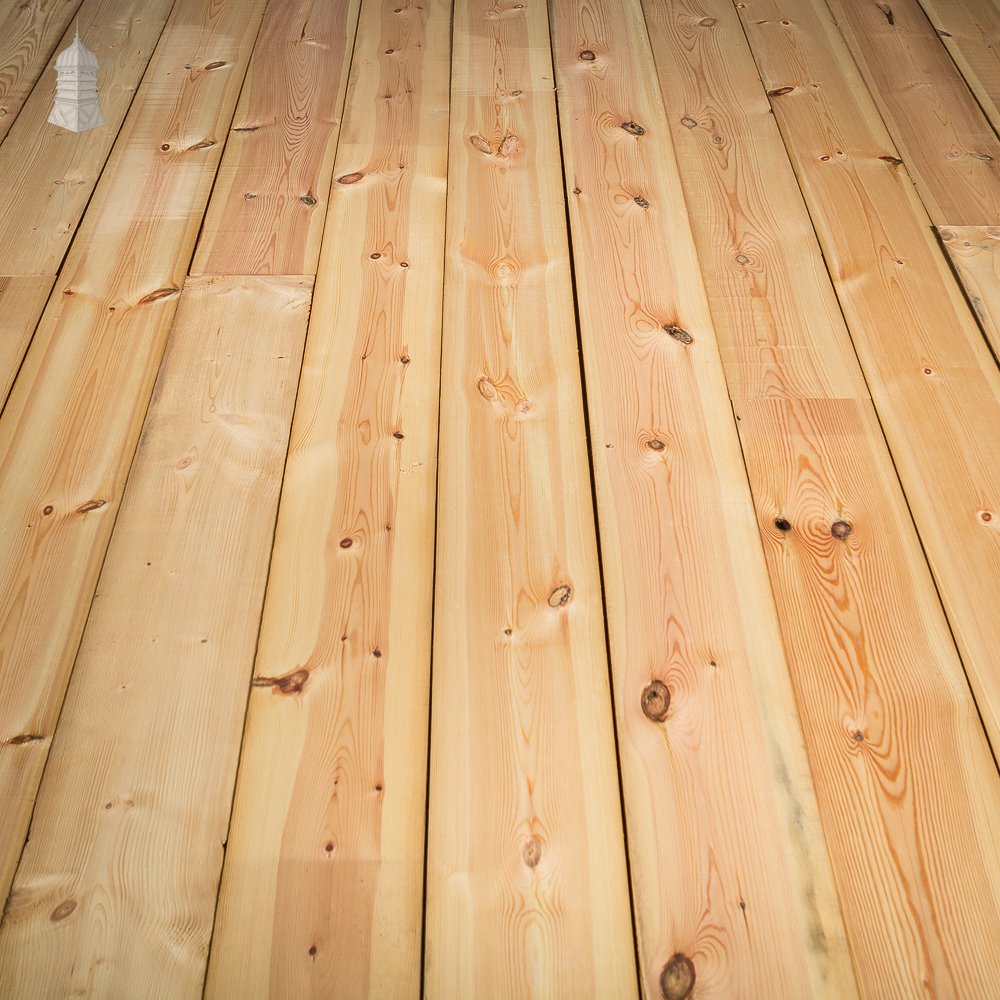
(930, 372)
(29, 33)
(267, 210)
(970, 30)
(942, 135)
(816, 461)
(662, 678)
(69, 431)
(22, 299)
(323, 887)
(746, 910)
(50, 173)
(527, 891)
(974, 252)
(131, 817)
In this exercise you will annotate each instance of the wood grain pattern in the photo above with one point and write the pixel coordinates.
(29, 33)
(974, 252)
(323, 884)
(751, 910)
(970, 30)
(896, 795)
(931, 376)
(270, 199)
(49, 173)
(527, 892)
(69, 431)
(22, 299)
(115, 894)
(947, 144)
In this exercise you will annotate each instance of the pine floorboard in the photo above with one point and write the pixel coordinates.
(501, 498)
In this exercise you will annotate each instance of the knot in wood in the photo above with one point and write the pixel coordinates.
(633, 128)
(708, 22)
(478, 142)
(780, 92)
(688, 122)
(509, 145)
(656, 701)
(655, 445)
(560, 596)
(63, 910)
(678, 333)
(841, 529)
(641, 202)
(160, 293)
(351, 178)
(587, 56)
(677, 978)
(307, 199)
(288, 684)
(532, 852)
(782, 524)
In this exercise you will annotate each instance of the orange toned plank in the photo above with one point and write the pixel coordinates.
(323, 883)
(527, 890)
(970, 30)
(72, 421)
(267, 210)
(974, 252)
(931, 376)
(48, 173)
(939, 129)
(22, 299)
(115, 894)
(29, 33)
(861, 675)
(746, 910)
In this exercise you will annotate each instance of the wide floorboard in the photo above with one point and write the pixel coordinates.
(501, 499)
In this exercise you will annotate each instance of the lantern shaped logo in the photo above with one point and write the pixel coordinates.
(76, 107)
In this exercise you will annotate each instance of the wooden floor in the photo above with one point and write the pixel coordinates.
(501, 500)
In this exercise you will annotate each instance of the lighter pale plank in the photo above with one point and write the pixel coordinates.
(29, 33)
(115, 894)
(970, 30)
(945, 140)
(49, 173)
(68, 434)
(932, 378)
(739, 909)
(861, 675)
(270, 199)
(323, 884)
(974, 252)
(527, 891)
(22, 299)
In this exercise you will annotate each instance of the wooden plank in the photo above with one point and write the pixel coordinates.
(270, 199)
(939, 129)
(932, 378)
(115, 894)
(29, 33)
(527, 891)
(323, 884)
(861, 676)
(68, 434)
(974, 252)
(49, 174)
(695, 646)
(970, 30)
(22, 299)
